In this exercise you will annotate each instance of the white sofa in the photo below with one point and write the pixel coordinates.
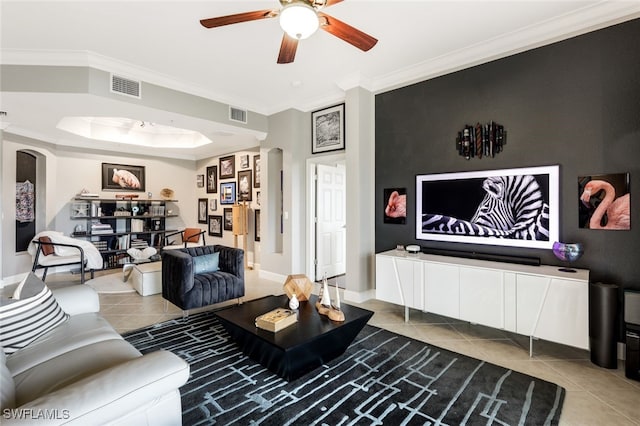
(83, 372)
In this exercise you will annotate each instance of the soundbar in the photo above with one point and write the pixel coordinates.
(522, 260)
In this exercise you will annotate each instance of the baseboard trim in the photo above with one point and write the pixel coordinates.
(272, 276)
(359, 296)
(12, 279)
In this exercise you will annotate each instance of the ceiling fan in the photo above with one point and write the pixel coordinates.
(299, 19)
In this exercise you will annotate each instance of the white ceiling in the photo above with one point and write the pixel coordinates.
(162, 42)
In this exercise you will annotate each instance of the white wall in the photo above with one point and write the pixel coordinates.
(78, 170)
(289, 131)
(17, 263)
(2, 203)
(68, 171)
(360, 161)
(252, 250)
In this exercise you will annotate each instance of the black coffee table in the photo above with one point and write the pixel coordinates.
(299, 348)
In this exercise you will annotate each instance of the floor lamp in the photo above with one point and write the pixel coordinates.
(240, 226)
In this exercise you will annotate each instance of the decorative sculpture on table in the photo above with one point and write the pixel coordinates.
(141, 255)
(298, 289)
(568, 253)
(300, 285)
(336, 313)
(336, 305)
(294, 304)
(324, 305)
(324, 298)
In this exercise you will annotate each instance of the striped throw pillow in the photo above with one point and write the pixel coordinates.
(28, 314)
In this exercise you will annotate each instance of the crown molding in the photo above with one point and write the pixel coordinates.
(590, 18)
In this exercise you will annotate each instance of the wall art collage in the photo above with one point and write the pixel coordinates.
(233, 180)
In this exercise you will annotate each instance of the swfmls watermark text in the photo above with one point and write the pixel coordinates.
(35, 414)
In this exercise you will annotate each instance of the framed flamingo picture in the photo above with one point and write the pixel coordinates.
(604, 202)
(395, 205)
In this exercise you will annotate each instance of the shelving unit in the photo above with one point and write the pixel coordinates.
(115, 225)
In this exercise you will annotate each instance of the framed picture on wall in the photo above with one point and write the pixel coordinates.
(228, 193)
(245, 188)
(605, 201)
(228, 219)
(228, 167)
(213, 204)
(212, 179)
(244, 161)
(394, 205)
(327, 129)
(202, 210)
(121, 177)
(256, 171)
(200, 181)
(215, 225)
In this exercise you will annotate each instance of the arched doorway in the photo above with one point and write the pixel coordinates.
(26, 184)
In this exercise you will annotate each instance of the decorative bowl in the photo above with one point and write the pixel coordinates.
(568, 252)
(167, 193)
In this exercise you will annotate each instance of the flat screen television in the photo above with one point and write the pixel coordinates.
(508, 207)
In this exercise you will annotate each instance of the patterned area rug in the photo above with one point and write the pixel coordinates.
(382, 378)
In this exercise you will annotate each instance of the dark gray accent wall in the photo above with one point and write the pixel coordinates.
(575, 103)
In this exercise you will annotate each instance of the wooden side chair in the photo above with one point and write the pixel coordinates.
(189, 237)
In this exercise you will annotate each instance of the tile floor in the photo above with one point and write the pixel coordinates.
(595, 396)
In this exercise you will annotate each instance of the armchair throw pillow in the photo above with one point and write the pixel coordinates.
(206, 263)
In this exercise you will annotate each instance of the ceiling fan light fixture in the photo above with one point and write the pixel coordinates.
(299, 20)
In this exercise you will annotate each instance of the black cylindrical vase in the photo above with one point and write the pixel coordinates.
(603, 310)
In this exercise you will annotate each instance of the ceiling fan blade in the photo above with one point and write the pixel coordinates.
(288, 49)
(239, 17)
(346, 32)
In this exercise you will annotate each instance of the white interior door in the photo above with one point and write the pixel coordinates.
(330, 220)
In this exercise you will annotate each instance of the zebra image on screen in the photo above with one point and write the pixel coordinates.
(513, 207)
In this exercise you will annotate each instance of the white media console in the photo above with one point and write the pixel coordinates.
(541, 302)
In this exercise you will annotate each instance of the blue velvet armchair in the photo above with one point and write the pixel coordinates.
(188, 287)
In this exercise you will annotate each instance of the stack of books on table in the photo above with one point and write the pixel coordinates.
(277, 319)
(101, 228)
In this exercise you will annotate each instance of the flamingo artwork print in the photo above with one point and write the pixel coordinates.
(605, 202)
